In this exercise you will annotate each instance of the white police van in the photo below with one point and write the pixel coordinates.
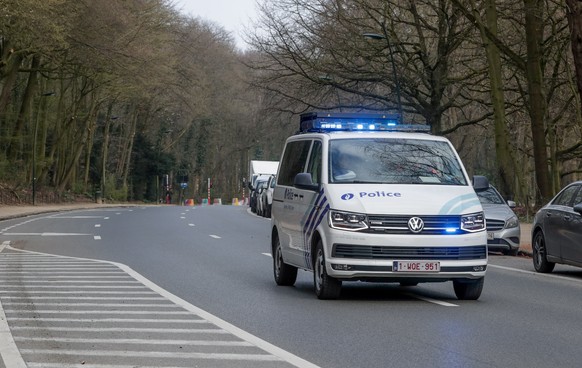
(361, 198)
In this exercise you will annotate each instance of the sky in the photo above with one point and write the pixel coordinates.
(232, 15)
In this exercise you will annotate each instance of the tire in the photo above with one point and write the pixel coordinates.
(285, 275)
(540, 253)
(326, 287)
(512, 252)
(468, 289)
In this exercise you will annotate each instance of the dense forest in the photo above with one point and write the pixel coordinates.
(123, 97)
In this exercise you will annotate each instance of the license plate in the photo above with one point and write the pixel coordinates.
(490, 235)
(416, 266)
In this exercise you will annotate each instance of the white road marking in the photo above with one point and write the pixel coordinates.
(182, 217)
(94, 320)
(33, 283)
(512, 269)
(9, 353)
(121, 329)
(46, 234)
(267, 254)
(44, 292)
(97, 225)
(537, 274)
(191, 225)
(215, 236)
(53, 277)
(142, 354)
(97, 237)
(77, 217)
(72, 286)
(33, 298)
(431, 300)
(271, 352)
(108, 305)
(136, 341)
(123, 313)
(4, 245)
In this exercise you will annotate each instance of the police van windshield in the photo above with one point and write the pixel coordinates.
(394, 161)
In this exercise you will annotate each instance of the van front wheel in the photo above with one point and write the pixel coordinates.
(468, 289)
(285, 275)
(326, 287)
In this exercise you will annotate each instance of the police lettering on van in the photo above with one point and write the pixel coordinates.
(361, 198)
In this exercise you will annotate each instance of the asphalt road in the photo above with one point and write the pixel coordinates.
(216, 259)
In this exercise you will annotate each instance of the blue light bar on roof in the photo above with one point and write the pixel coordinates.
(329, 122)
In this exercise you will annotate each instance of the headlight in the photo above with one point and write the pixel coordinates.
(347, 221)
(512, 222)
(473, 222)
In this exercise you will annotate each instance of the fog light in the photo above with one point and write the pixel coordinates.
(341, 267)
(478, 268)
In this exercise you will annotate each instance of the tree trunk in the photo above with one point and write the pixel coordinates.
(129, 148)
(574, 14)
(25, 109)
(508, 173)
(105, 150)
(537, 103)
(8, 75)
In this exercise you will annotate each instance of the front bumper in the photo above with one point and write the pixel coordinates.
(504, 240)
(371, 257)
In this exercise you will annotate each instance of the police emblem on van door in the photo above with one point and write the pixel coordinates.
(415, 224)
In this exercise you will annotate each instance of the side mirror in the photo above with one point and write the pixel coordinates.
(480, 183)
(304, 181)
(578, 208)
(511, 204)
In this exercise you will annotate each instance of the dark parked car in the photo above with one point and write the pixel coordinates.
(256, 192)
(503, 229)
(557, 230)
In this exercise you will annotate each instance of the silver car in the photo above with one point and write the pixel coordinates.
(557, 230)
(503, 228)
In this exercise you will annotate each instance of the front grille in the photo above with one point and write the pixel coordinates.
(409, 253)
(433, 225)
(495, 225)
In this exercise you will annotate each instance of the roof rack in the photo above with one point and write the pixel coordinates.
(329, 122)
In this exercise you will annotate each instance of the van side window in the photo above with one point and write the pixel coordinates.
(293, 161)
(314, 166)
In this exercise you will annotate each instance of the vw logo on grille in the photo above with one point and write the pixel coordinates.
(415, 224)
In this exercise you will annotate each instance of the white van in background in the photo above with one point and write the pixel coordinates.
(360, 198)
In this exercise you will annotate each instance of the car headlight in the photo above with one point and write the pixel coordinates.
(347, 221)
(473, 222)
(512, 222)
